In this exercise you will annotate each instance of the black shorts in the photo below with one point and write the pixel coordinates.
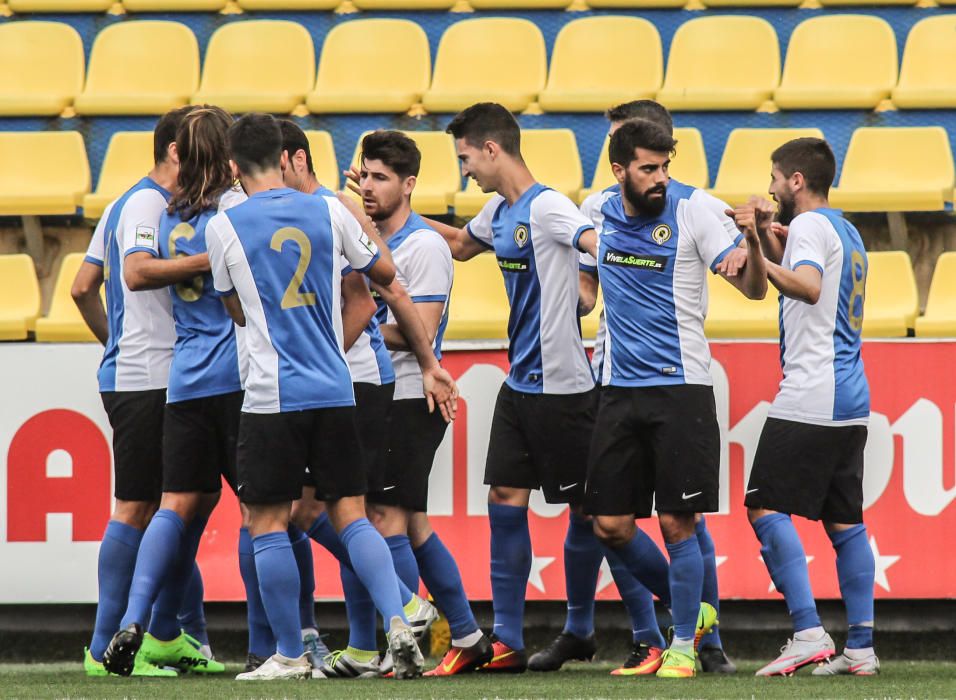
(541, 441)
(372, 406)
(199, 443)
(137, 421)
(414, 435)
(815, 471)
(654, 446)
(274, 450)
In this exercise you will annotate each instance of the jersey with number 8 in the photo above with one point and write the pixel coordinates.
(823, 378)
(282, 252)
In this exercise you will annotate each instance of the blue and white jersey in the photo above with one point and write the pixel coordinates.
(535, 241)
(208, 355)
(591, 208)
(823, 378)
(424, 268)
(141, 331)
(282, 252)
(653, 273)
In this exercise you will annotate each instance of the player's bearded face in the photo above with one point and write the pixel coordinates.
(648, 198)
(783, 196)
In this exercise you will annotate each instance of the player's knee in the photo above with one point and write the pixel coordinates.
(419, 529)
(135, 513)
(507, 496)
(613, 532)
(304, 513)
(676, 527)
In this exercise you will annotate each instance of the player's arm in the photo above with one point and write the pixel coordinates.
(234, 308)
(463, 245)
(143, 270)
(752, 282)
(803, 283)
(358, 307)
(431, 314)
(219, 267)
(86, 295)
(771, 242)
(587, 284)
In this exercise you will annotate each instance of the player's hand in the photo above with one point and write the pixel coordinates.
(355, 209)
(352, 179)
(202, 260)
(764, 210)
(732, 263)
(441, 390)
(780, 231)
(745, 216)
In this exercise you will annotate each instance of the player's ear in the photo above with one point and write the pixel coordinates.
(491, 149)
(619, 172)
(797, 182)
(234, 168)
(284, 161)
(172, 153)
(409, 185)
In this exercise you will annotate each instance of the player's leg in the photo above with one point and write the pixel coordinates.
(192, 614)
(775, 491)
(262, 643)
(712, 656)
(648, 642)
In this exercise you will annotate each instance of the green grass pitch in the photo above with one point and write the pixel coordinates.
(901, 679)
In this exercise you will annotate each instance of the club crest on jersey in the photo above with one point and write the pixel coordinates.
(521, 235)
(661, 234)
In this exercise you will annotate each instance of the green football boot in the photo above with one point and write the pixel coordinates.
(178, 653)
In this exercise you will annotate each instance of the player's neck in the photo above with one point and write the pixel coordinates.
(515, 181)
(164, 175)
(811, 202)
(311, 183)
(262, 181)
(388, 226)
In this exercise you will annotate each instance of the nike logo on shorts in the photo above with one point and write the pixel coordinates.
(688, 496)
(388, 488)
(562, 487)
(749, 491)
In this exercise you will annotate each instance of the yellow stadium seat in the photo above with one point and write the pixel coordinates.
(25, 6)
(723, 62)
(492, 59)
(594, 66)
(892, 300)
(635, 4)
(391, 76)
(42, 172)
(323, 158)
(174, 5)
(689, 164)
(519, 4)
(129, 157)
(838, 62)
(752, 3)
(63, 323)
(124, 53)
(552, 157)
(896, 169)
(19, 296)
(939, 321)
(288, 4)
(439, 178)
(927, 79)
(379, 5)
(732, 315)
(258, 65)
(745, 165)
(479, 306)
(42, 68)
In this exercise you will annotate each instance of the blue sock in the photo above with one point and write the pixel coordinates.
(443, 580)
(644, 559)
(360, 611)
(372, 563)
(279, 587)
(192, 614)
(158, 553)
(785, 559)
(261, 640)
(510, 568)
(710, 592)
(404, 559)
(115, 564)
(302, 549)
(687, 582)
(582, 564)
(639, 603)
(164, 623)
(856, 570)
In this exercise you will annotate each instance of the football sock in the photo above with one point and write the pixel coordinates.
(443, 580)
(687, 582)
(360, 611)
(279, 587)
(710, 592)
(644, 559)
(787, 562)
(261, 640)
(582, 564)
(164, 623)
(510, 568)
(158, 553)
(115, 564)
(372, 563)
(302, 550)
(406, 567)
(856, 571)
(639, 603)
(192, 614)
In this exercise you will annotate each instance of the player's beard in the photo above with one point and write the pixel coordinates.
(786, 209)
(642, 201)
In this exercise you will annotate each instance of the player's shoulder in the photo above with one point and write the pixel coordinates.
(548, 198)
(705, 198)
(810, 223)
(426, 241)
(232, 197)
(142, 198)
(594, 201)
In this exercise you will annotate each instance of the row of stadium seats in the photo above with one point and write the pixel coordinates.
(715, 63)
(885, 169)
(479, 307)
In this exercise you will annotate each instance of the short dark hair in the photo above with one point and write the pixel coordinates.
(812, 157)
(165, 131)
(638, 133)
(642, 109)
(255, 142)
(295, 140)
(395, 149)
(487, 121)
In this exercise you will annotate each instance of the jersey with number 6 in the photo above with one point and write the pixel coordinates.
(282, 252)
(823, 378)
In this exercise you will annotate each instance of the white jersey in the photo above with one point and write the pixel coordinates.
(141, 330)
(823, 378)
(368, 358)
